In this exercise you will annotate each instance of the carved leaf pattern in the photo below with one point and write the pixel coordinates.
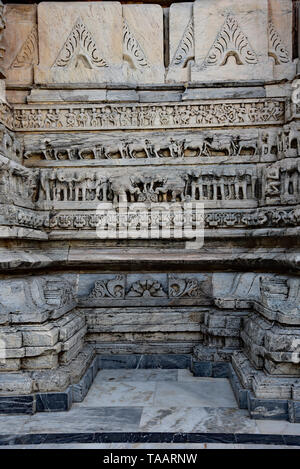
(277, 49)
(80, 44)
(132, 50)
(185, 50)
(231, 41)
(114, 288)
(28, 54)
(180, 287)
(146, 288)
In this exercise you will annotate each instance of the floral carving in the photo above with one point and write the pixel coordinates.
(146, 288)
(180, 287)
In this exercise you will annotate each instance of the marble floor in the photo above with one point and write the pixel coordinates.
(155, 400)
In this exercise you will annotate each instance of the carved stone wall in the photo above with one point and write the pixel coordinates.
(109, 104)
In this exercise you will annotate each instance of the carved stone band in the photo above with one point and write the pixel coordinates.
(155, 116)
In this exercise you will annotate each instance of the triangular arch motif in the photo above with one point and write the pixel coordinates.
(80, 47)
(231, 41)
(132, 50)
(185, 50)
(28, 54)
(277, 49)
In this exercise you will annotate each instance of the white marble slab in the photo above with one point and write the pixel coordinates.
(193, 420)
(118, 394)
(13, 423)
(278, 427)
(204, 393)
(85, 420)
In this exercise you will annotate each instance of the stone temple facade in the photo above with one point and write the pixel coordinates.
(104, 104)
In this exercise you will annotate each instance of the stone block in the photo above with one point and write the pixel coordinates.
(17, 404)
(220, 370)
(10, 338)
(294, 411)
(241, 394)
(143, 43)
(270, 409)
(10, 364)
(69, 325)
(176, 361)
(80, 390)
(21, 43)
(79, 42)
(201, 369)
(73, 351)
(41, 362)
(54, 402)
(50, 380)
(181, 42)
(280, 36)
(231, 41)
(40, 336)
(14, 383)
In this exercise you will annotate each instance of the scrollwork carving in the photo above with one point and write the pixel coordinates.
(113, 288)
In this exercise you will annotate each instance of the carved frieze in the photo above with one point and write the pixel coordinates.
(205, 184)
(252, 146)
(206, 114)
(260, 218)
